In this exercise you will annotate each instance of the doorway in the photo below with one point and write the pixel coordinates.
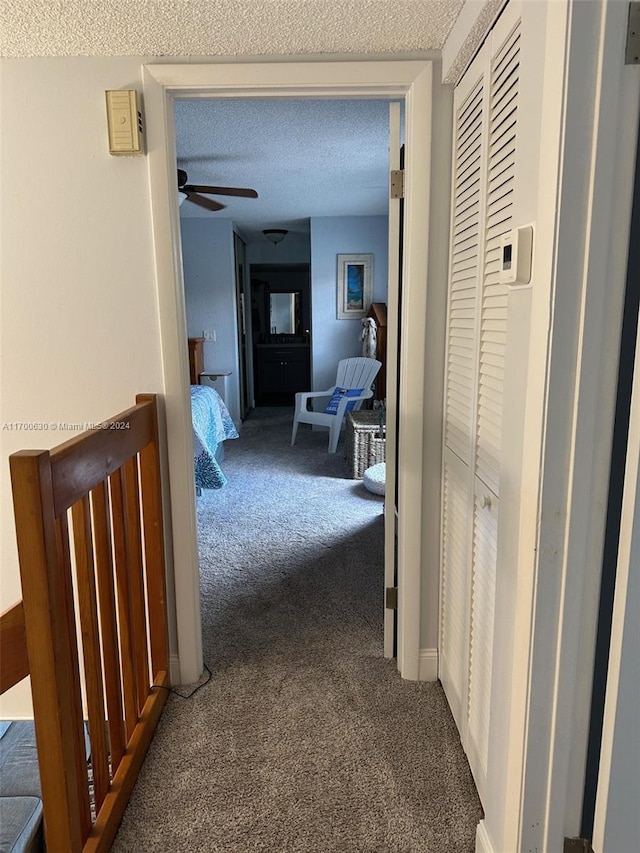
(280, 314)
(404, 79)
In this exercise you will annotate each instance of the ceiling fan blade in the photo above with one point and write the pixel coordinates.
(207, 203)
(243, 192)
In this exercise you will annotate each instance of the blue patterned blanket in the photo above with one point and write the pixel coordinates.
(212, 424)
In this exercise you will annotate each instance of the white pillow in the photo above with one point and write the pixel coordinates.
(374, 478)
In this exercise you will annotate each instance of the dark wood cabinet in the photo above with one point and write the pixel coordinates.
(282, 370)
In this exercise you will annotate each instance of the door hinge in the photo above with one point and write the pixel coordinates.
(397, 183)
(632, 52)
(391, 598)
(577, 845)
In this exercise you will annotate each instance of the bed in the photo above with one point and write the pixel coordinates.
(212, 425)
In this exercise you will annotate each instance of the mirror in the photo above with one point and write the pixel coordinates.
(283, 315)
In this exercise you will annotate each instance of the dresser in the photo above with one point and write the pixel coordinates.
(281, 370)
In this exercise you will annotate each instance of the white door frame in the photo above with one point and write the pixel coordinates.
(408, 79)
(588, 273)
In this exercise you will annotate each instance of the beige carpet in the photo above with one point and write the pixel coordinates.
(305, 739)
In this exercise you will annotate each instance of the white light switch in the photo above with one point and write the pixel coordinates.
(209, 335)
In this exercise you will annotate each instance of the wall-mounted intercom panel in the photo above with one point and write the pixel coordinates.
(124, 118)
(516, 256)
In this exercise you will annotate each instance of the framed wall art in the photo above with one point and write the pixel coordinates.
(355, 278)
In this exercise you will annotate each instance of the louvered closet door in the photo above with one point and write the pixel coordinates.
(459, 414)
(486, 105)
(503, 101)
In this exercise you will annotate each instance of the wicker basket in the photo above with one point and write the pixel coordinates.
(364, 445)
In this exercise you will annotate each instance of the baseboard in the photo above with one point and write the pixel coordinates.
(483, 842)
(174, 669)
(428, 665)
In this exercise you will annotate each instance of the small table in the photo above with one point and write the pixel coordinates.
(218, 380)
(365, 441)
(215, 374)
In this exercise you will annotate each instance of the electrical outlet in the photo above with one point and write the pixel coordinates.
(209, 335)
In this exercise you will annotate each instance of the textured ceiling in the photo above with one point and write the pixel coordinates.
(222, 27)
(305, 157)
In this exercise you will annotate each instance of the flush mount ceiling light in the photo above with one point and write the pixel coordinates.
(276, 235)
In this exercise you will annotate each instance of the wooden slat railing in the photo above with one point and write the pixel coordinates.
(91, 549)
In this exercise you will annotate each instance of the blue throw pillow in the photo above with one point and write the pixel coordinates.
(338, 394)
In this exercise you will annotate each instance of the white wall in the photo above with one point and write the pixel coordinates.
(79, 328)
(334, 339)
(210, 296)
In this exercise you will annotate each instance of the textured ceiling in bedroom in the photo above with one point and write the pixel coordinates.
(305, 157)
(222, 27)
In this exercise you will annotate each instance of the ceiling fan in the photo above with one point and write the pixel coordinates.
(193, 192)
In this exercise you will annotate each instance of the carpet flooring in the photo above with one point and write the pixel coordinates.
(305, 738)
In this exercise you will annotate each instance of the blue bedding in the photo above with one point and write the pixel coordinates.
(212, 424)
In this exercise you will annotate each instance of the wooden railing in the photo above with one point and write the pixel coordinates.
(91, 548)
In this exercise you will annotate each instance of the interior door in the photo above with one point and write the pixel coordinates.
(391, 579)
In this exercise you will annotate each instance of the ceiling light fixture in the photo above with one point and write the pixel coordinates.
(276, 235)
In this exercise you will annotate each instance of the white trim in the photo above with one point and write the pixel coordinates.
(462, 30)
(413, 352)
(391, 78)
(471, 28)
(483, 842)
(591, 233)
(428, 665)
(437, 296)
(390, 517)
(174, 669)
(171, 307)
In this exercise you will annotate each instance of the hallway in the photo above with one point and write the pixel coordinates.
(305, 738)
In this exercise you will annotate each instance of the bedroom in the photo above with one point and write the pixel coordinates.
(318, 181)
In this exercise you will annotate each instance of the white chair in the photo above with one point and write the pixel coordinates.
(353, 374)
